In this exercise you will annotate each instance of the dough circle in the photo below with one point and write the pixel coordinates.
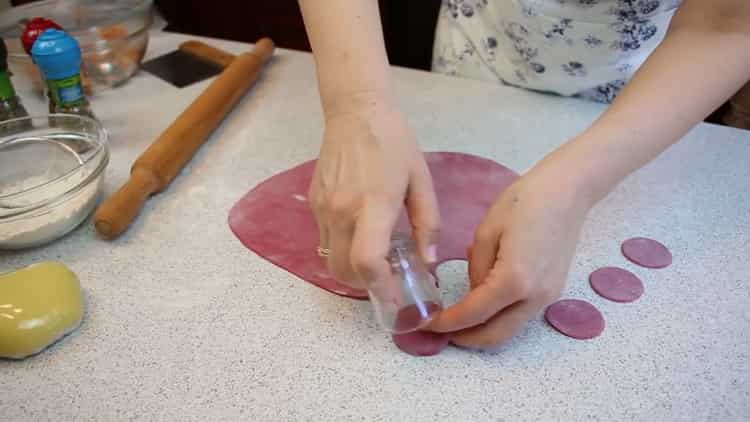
(616, 284)
(575, 318)
(646, 252)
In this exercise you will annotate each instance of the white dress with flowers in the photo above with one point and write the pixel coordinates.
(585, 48)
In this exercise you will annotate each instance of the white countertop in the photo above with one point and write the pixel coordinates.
(184, 323)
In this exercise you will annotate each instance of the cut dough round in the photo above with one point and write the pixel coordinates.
(575, 318)
(646, 252)
(418, 343)
(422, 343)
(616, 284)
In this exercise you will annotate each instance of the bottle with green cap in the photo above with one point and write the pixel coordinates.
(58, 56)
(10, 104)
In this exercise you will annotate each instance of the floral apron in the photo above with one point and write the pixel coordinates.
(585, 48)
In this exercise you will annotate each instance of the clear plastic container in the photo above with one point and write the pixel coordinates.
(409, 299)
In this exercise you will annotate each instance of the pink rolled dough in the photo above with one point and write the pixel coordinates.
(646, 252)
(616, 284)
(575, 318)
(274, 219)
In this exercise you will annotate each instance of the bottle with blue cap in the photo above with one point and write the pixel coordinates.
(58, 56)
(10, 104)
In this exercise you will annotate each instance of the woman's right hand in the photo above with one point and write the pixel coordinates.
(370, 165)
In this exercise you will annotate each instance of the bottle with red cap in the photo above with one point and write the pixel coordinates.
(33, 28)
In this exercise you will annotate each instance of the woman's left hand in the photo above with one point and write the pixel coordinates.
(520, 257)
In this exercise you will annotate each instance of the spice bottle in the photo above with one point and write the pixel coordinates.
(32, 30)
(58, 56)
(10, 105)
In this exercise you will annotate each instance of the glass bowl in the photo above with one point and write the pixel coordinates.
(113, 35)
(51, 176)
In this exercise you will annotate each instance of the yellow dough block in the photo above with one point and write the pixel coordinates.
(39, 304)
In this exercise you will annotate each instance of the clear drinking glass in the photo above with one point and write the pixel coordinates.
(407, 300)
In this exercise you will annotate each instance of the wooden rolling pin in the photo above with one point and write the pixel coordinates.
(159, 164)
(208, 53)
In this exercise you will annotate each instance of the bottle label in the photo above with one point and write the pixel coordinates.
(6, 87)
(68, 91)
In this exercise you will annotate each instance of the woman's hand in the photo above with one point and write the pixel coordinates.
(369, 166)
(520, 257)
(523, 249)
(370, 162)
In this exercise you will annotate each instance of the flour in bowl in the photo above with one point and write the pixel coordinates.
(49, 221)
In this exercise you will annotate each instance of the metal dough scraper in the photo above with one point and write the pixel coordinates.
(192, 62)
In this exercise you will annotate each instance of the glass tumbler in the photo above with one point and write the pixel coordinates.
(410, 297)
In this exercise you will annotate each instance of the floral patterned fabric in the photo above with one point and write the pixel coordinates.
(585, 48)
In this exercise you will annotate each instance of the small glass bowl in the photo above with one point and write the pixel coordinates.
(51, 176)
(113, 35)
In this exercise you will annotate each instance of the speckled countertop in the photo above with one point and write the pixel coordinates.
(183, 323)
